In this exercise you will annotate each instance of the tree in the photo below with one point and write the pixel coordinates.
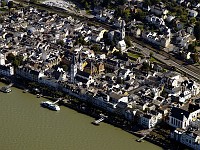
(151, 54)
(147, 2)
(15, 60)
(128, 41)
(10, 4)
(95, 47)
(126, 14)
(191, 47)
(197, 30)
(145, 66)
(195, 57)
(10, 57)
(140, 14)
(192, 20)
(3, 3)
(86, 5)
(60, 42)
(33, 1)
(105, 35)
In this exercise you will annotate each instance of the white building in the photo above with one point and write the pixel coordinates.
(2, 59)
(180, 118)
(29, 73)
(189, 138)
(148, 121)
(6, 70)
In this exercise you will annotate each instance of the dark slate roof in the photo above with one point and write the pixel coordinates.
(179, 113)
(122, 105)
(193, 107)
(113, 62)
(116, 96)
(2, 67)
(83, 74)
(79, 79)
(36, 73)
(57, 74)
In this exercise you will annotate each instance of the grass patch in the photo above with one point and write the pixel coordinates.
(152, 59)
(134, 55)
(3, 9)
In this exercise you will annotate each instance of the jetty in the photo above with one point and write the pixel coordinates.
(97, 122)
(7, 89)
(59, 99)
(140, 139)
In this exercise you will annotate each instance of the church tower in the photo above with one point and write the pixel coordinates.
(73, 70)
(123, 30)
(80, 62)
(2, 59)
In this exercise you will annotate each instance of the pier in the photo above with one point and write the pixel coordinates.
(97, 122)
(7, 89)
(59, 99)
(140, 140)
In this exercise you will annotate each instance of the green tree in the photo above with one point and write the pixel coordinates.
(147, 2)
(145, 66)
(105, 35)
(179, 11)
(60, 42)
(10, 57)
(151, 54)
(95, 47)
(191, 47)
(33, 1)
(195, 57)
(140, 14)
(155, 1)
(128, 41)
(192, 20)
(197, 30)
(15, 60)
(86, 5)
(10, 4)
(118, 12)
(126, 14)
(3, 3)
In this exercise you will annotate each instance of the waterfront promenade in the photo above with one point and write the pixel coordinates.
(26, 125)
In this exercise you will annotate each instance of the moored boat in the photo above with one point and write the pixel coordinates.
(5, 90)
(50, 105)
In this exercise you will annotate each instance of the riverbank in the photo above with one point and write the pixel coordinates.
(90, 110)
(27, 125)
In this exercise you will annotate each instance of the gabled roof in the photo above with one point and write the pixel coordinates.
(83, 74)
(179, 113)
(79, 79)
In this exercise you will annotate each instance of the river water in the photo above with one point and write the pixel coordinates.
(24, 125)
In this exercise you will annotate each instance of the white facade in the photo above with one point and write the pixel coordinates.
(6, 70)
(183, 121)
(48, 81)
(174, 122)
(189, 138)
(2, 59)
(148, 121)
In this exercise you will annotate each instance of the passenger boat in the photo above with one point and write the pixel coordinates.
(50, 105)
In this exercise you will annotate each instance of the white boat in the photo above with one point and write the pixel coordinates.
(50, 105)
(5, 90)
